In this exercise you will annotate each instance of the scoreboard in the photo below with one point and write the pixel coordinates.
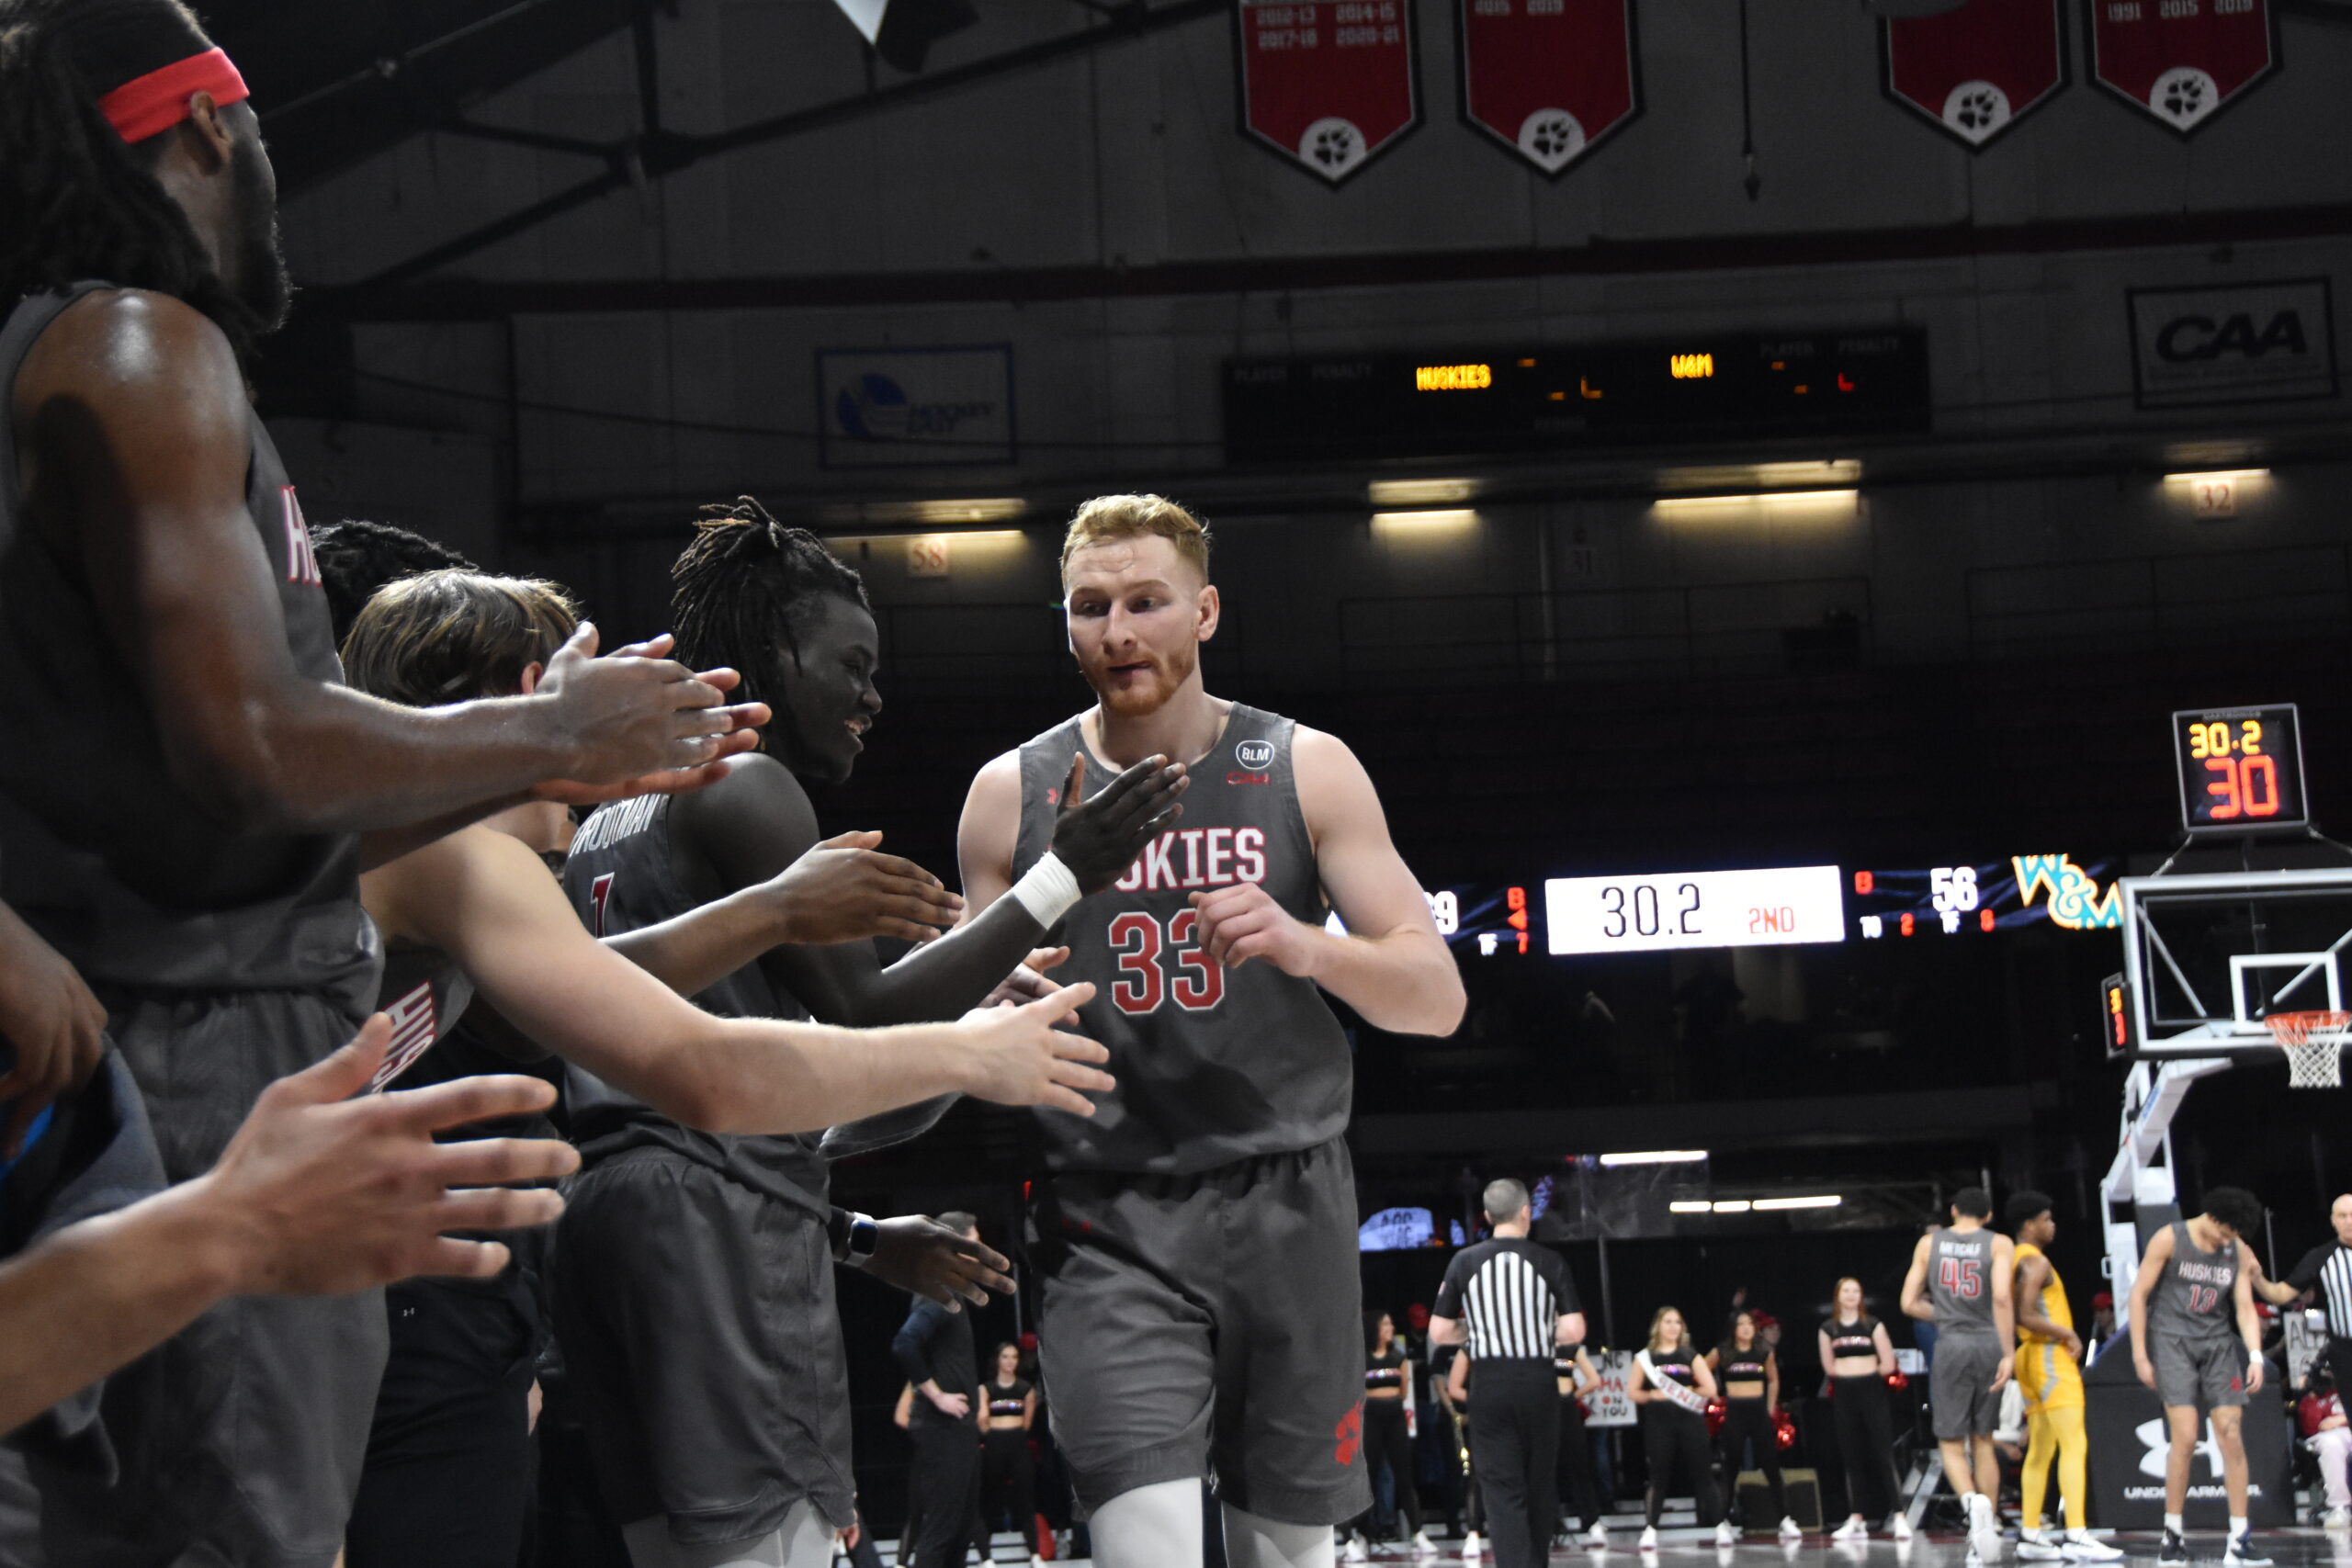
(2240, 769)
(1693, 909)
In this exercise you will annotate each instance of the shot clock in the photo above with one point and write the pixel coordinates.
(2240, 769)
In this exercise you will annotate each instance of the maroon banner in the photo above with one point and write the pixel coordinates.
(1329, 84)
(1548, 78)
(2181, 60)
(1978, 70)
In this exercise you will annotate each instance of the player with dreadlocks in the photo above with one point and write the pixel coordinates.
(182, 778)
(694, 1294)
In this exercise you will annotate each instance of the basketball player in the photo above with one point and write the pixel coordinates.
(1196, 1239)
(181, 777)
(1960, 1280)
(711, 1368)
(2192, 1289)
(2051, 1378)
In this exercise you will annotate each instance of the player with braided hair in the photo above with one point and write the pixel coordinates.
(357, 557)
(709, 1367)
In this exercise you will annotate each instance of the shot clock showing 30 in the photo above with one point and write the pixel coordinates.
(2240, 769)
(1694, 909)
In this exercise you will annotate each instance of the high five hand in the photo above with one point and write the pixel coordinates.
(1099, 839)
(1021, 1058)
(638, 722)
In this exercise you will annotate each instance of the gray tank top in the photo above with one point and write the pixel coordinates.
(2197, 1298)
(1960, 1281)
(621, 878)
(1214, 1065)
(101, 849)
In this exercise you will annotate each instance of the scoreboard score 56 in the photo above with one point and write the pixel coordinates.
(2240, 769)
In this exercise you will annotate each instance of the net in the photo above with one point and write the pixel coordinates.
(2315, 1046)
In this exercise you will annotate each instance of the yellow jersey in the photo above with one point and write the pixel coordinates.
(2046, 1374)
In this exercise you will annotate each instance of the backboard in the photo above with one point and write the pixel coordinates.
(2207, 957)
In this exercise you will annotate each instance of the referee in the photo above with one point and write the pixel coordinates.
(2326, 1268)
(1509, 1303)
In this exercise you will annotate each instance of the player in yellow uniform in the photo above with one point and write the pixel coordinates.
(2050, 1375)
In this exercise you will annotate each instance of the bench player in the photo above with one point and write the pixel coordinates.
(1960, 1280)
(2193, 1288)
(1195, 1240)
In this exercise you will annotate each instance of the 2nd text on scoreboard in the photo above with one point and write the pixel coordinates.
(1773, 907)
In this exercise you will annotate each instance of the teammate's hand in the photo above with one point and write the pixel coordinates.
(1020, 1058)
(1099, 839)
(2146, 1368)
(50, 1020)
(2001, 1373)
(1242, 922)
(2255, 1367)
(843, 891)
(321, 1194)
(640, 723)
(923, 1257)
(1028, 981)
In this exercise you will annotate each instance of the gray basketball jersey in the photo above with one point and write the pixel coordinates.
(1214, 1065)
(2197, 1298)
(101, 849)
(621, 878)
(1960, 1280)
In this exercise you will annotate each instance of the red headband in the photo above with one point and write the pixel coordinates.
(145, 106)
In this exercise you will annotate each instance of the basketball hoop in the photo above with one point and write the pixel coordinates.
(2315, 1046)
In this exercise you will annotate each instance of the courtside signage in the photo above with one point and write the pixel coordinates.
(1771, 907)
(907, 408)
(2232, 343)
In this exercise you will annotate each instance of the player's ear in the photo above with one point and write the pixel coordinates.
(532, 673)
(1206, 608)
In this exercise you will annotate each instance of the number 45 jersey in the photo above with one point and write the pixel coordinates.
(1214, 1065)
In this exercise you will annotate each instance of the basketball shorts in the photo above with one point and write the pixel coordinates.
(1961, 1399)
(241, 1438)
(2207, 1373)
(2048, 1376)
(702, 1348)
(1207, 1325)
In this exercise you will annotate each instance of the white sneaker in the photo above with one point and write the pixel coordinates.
(2244, 1553)
(1471, 1548)
(1789, 1528)
(1598, 1535)
(2337, 1519)
(1898, 1525)
(2034, 1546)
(1354, 1551)
(1422, 1545)
(2081, 1546)
(1649, 1539)
(1725, 1534)
(1852, 1530)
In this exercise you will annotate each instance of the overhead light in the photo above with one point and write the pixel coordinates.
(2240, 476)
(1421, 492)
(1655, 1157)
(1419, 521)
(1690, 1206)
(927, 514)
(1825, 502)
(1826, 473)
(1731, 1205)
(1818, 1200)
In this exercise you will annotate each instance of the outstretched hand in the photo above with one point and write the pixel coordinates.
(638, 722)
(1022, 1057)
(925, 1258)
(843, 891)
(1099, 839)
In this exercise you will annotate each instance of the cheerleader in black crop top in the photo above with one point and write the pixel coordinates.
(1858, 1357)
(1008, 1473)
(1670, 1386)
(1387, 1429)
(1749, 1376)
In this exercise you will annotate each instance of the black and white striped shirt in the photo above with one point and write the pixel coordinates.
(1510, 1294)
(2330, 1267)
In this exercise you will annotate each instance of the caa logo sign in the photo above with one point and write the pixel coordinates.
(1254, 755)
(2233, 344)
(2186, 338)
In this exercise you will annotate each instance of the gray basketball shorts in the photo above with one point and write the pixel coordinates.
(699, 1333)
(1208, 1325)
(1961, 1399)
(2207, 1373)
(240, 1440)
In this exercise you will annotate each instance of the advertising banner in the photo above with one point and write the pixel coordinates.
(1978, 70)
(2181, 60)
(901, 407)
(1330, 85)
(1548, 78)
(2235, 342)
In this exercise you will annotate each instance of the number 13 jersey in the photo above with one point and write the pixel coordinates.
(1214, 1065)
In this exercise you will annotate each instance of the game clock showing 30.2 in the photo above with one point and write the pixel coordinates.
(2240, 769)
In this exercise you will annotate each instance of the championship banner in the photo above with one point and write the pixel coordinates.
(2181, 60)
(1980, 69)
(1330, 84)
(1548, 78)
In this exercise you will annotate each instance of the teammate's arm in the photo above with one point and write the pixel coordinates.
(1392, 967)
(2033, 1278)
(2144, 1284)
(485, 899)
(2249, 1321)
(1914, 1286)
(137, 429)
(2004, 1317)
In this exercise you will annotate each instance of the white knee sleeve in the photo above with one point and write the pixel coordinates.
(1152, 1527)
(1251, 1541)
(805, 1542)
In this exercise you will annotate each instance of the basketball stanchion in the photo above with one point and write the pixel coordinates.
(2314, 1042)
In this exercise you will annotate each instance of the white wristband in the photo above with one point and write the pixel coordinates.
(1047, 890)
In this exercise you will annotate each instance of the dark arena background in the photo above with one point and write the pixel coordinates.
(1862, 444)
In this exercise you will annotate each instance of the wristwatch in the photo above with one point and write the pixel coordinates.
(854, 1237)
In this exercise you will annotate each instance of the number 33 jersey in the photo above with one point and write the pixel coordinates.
(1214, 1065)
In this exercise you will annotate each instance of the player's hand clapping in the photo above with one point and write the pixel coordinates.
(925, 1258)
(51, 1022)
(1099, 839)
(638, 722)
(1242, 922)
(843, 891)
(1020, 1058)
